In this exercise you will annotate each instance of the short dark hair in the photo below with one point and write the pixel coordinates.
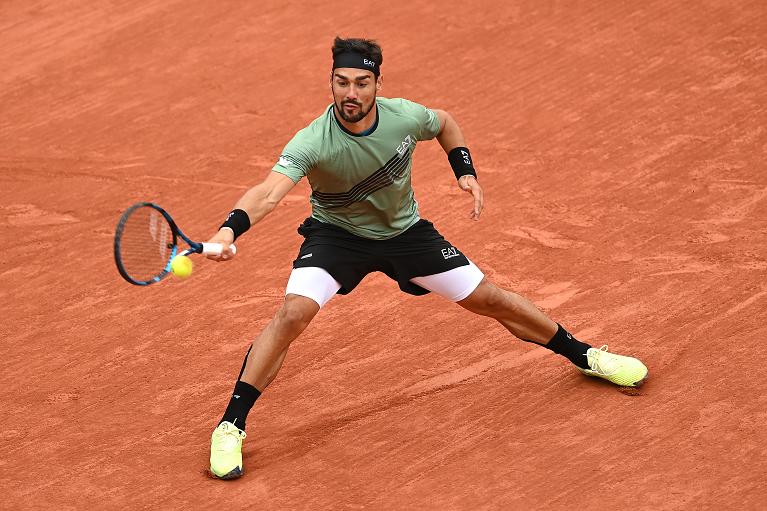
(365, 47)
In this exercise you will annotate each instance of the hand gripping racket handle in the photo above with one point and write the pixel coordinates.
(216, 248)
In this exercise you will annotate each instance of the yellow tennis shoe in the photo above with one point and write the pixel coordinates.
(226, 451)
(623, 371)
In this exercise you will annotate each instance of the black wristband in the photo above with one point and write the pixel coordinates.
(238, 221)
(460, 161)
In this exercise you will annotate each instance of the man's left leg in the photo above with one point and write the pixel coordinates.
(520, 317)
(525, 321)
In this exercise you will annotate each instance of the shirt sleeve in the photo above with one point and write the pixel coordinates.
(297, 159)
(426, 119)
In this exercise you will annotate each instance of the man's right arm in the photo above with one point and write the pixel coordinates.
(257, 203)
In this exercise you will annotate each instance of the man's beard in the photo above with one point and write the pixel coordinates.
(356, 117)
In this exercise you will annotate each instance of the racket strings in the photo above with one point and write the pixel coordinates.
(146, 244)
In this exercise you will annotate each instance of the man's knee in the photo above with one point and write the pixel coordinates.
(490, 300)
(296, 313)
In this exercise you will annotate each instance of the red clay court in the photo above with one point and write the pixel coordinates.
(621, 146)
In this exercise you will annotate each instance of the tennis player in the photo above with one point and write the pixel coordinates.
(357, 156)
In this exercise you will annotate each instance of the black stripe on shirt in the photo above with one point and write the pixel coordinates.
(381, 178)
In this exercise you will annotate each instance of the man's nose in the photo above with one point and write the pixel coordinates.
(352, 92)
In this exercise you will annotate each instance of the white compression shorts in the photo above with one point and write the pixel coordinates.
(318, 285)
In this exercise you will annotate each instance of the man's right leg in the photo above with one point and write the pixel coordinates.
(268, 350)
(307, 291)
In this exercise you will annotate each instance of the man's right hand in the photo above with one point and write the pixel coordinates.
(225, 237)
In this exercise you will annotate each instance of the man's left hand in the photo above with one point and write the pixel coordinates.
(469, 184)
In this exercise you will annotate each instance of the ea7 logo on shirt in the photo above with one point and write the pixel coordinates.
(283, 161)
(403, 147)
(447, 253)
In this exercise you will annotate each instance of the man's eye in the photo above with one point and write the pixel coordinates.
(342, 84)
(362, 85)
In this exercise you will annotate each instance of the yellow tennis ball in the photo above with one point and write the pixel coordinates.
(181, 266)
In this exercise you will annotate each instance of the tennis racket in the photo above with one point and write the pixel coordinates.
(146, 240)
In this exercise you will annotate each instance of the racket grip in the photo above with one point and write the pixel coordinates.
(216, 248)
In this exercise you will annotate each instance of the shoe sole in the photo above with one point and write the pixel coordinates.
(641, 382)
(631, 386)
(235, 473)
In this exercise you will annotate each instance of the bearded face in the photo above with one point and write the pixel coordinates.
(354, 93)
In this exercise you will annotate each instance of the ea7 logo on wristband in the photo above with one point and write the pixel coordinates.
(466, 157)
(447, 253)
(403, 147)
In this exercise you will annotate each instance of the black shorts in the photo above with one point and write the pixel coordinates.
(417, 252)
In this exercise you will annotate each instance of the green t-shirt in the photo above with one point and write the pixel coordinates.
(361, 183)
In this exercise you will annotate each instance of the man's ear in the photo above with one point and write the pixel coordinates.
(379, 82)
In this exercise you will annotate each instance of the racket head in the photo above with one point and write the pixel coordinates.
(146, 239)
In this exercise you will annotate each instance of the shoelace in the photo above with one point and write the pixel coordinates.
(597, 363)
(229, 438)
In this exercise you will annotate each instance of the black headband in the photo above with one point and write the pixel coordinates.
(356, 61)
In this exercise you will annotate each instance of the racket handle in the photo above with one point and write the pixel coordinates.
(216, 248)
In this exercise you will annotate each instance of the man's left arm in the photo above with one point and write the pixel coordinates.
(451, 139)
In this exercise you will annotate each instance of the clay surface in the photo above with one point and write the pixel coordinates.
(621, 147)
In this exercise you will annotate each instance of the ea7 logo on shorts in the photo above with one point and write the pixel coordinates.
(402, 148)
(284, 162)
(447, 253)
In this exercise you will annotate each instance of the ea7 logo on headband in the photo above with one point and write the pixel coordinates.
(369, 62)
(402, 148)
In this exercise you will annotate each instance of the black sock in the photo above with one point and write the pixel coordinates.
(243, 398)
(239, 406)
(565, 344)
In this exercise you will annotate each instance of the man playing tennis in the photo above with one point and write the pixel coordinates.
(357, 158)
